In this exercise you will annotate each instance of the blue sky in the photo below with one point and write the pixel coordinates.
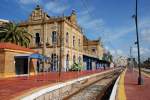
(109, 19)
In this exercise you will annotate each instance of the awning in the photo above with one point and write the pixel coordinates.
(31, 56)
(95, 59)
(37, 56)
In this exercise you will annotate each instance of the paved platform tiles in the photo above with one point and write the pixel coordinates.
(12, 87)
(132, 90)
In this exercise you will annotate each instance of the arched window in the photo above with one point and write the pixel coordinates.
(54, 37)
(79, 58)
(54, 62)
(74, 58)
(67, 38)
(67, 62)
(37, 39)
(67, 57)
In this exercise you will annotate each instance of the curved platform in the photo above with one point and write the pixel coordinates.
(128, 88)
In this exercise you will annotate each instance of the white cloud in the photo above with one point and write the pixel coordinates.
(28, 1)
(146, 34)
(88, 22)
(121, 32)
(144, 29)
(119, 52)
(97, 25)
(115, 52)
(93, 24)
(143, 51)
(106, 47)
(85, 12)
(55, 7)
(52, 6)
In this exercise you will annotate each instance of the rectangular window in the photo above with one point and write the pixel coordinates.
(54, 37)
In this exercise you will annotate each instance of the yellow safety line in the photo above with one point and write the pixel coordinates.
(121, 90)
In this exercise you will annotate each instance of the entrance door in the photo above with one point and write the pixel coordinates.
(21, 66)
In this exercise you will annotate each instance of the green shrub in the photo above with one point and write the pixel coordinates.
(76, 67)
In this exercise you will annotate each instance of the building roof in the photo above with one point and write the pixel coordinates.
(93, 42)
(14, 47)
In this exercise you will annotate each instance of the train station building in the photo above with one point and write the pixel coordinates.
(61, 39)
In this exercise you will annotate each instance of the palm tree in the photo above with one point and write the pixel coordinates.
(10, 32)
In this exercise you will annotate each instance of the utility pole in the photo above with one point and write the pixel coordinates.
(60, 54)
(140, 80)
(44, 42)
(61, 48)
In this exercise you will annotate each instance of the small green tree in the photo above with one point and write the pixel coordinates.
(76, 67)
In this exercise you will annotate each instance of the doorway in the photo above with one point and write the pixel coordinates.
(21, 66)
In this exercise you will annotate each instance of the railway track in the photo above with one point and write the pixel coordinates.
(94, 89)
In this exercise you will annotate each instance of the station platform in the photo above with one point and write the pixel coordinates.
(16, 86)
(128, 88)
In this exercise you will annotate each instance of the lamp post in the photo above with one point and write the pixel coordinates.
(44, 43)
(140, 80)
(60, 40)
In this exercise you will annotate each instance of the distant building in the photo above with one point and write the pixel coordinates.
(93, 48)
(121, 61)
(92, 53)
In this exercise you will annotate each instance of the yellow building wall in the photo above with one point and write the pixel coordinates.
(7, 68)
(2, 63)
(77, 49)
(33, 65)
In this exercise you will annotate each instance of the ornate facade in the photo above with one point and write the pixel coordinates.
(51, 33)
(59, 38)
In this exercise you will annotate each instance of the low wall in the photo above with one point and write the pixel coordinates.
(114, 90)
